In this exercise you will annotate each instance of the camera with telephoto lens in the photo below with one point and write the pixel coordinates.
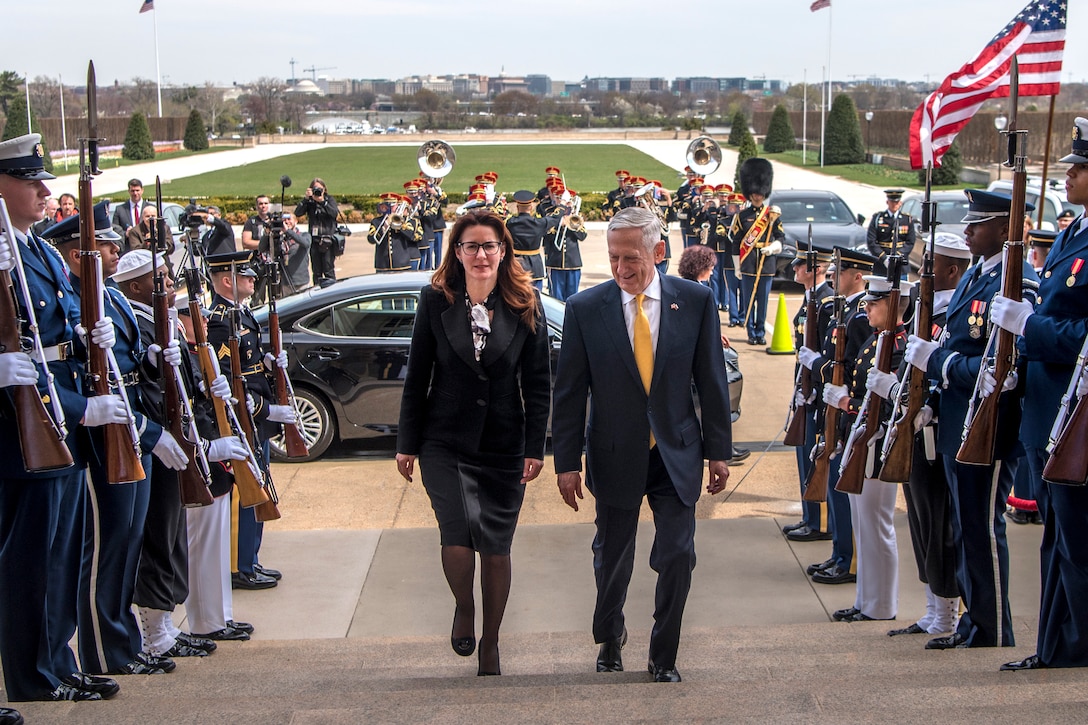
(192, 216)
(318, 191)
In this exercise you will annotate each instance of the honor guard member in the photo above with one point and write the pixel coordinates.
(872, 511)
(757, 260)
(891, 227)
(562, 248)
(814, 525)
(684, 204)
(929, 504)
(162, 580)
(1040, 242)
(550, 173)
(527, 231)
(109, 635)
(1051, 339)
(41, 512)
(232, 283)
(978, 492)
(393, 235)
(612, 201)
(1065, 219)
(841, 566)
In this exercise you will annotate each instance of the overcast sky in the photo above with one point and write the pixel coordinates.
(233, 41)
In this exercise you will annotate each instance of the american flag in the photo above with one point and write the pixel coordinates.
(1036, 36)
(819, 5)
(147, 5)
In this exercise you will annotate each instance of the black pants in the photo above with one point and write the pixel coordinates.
(323, 260)
(672, 557)
(162, 580)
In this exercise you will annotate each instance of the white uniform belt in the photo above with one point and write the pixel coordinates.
(55, 352)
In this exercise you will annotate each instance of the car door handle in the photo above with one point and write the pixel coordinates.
(323, 353)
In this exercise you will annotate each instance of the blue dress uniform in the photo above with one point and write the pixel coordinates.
(527, 232)
(890, 230)
(978, 492)
(563, 254)
(394, 251)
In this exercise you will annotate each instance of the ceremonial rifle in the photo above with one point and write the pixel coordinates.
(122, 442)
(795, 431)
(1068, 462)
(897, 451)
(828, 444)
(980, 425)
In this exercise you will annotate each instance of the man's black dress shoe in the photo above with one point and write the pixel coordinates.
(107, 687)
(1028, 663)
(270, 573)
(912, 629)
(180, 649)
(952, 641)
(197, 642)
(863, 617)
(841, 615)
(241, 580)
(813, 568)
(739, 455)
(10, 717)
(243, 626)
(834, 574)
(609, 658)
(760, 341)
(228, 633)
(806, 534)
(663, 674)
(74, 694)
(793, 527)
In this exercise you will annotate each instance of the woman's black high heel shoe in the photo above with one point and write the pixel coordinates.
(464, 646)
(480, 672)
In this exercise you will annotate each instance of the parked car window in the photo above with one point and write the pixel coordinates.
(380, 317)
(822, 211)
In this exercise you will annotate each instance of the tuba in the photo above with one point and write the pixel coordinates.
(704, 155)
(436, 158)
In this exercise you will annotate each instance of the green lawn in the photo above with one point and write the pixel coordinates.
(372, 170)
(117, 161)
(871, 174)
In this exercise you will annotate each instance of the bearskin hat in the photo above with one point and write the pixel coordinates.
(756, 175)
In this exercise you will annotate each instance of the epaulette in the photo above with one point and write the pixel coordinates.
(219, 311)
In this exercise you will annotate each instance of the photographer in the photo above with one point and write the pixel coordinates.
(255, 225)
(218, 235)
(296, 254)
(321, 211)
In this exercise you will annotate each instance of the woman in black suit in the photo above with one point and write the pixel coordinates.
(475, 412)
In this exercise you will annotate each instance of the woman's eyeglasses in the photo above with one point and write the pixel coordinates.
(472, 248)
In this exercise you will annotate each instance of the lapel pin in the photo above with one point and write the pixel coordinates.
(674, 306)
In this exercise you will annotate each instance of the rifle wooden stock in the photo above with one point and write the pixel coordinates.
(1068, 462)
(269, 510)
(820, 473)
(795, 434)
(121, 450)
(250, 490)
(294, 443)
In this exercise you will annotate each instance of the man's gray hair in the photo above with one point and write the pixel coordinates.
(637, 217)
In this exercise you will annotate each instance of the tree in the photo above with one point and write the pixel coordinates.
(780, 136)
(842, 140)
(747, 149)
(16, 126)
(10, 83)
(738, 128)
(948, 173)
(138, 146)
(196, 138)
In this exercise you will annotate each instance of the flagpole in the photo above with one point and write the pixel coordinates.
(827, 105)
(63, 131)
(158, 74)
(1046, 164)
(804, 116)
(823, 112)
(27, 84)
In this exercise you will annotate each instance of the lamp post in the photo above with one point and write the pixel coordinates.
(1000, 123)
(868, 135)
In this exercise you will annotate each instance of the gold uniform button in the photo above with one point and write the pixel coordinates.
(1047, 275)
(60, 295)
(41, 303)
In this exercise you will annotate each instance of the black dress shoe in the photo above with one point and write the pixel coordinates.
(480, 671)
(841, 615)
(463, 646)
(1028, 663)
(739, 455)
(1019, 516)
(9, 716)
(137, 668)
(806, 534)
(609, 658)
(241, 580)
(107, 687)
(793, 527)
(228, 633)
(760, 341)
(180, 649)
(952, 641)
(834, 574)
(912, 629)
(663, 674)
(863, 617)
(271, 573)
(73, 694)
(813, 568)
(197, 642)
(243, 626)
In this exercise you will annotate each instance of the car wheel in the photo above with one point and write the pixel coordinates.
(315, 424)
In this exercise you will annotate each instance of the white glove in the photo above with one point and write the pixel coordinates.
(221, 388)
(881, 383)
(807, 357)
(172, 355)
(988, 383)
(771, 249)
(280, 360)
(798, 400)
(251, 404)
(229, 448)
(102, 334)
(833, 394)
(736, 264)
(282, 414)
(919, 351)
(169, 452)
(7, 259)
(923, 418)
(1011, 315)
(105, 409)
(1082, 386)
(16, 368)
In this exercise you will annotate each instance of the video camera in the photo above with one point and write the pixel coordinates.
(192, 216)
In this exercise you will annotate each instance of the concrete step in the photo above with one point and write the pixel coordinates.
(813, 672)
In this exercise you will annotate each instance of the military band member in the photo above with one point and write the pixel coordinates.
(232, 283)
(757, 256)
(612, 202)
(657, 200)
(562, 248)
(433, 221)
(395, 235)
(527, 230)
(1051, 339)
(978, 492)
(413, 205)
(841, 566)
(551, 175)
(684, 203)
(891, 227)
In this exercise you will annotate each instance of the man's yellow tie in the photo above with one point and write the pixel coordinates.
(644, 350)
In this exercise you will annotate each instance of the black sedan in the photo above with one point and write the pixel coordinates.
(348, 350)
(833, 224)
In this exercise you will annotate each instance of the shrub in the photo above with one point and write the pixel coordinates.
(738, 127)
(780, 135)
(196, 138)
(138, 146)
(842, 141)
(948, 173)
(16, 126)
(747, 150)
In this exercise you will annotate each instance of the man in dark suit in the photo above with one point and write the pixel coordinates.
(644, 437)
(127, 215)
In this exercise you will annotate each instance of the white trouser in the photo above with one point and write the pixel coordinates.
(872, 513)
(209, 604)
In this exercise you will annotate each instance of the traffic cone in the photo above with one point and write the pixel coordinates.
(782, 339)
